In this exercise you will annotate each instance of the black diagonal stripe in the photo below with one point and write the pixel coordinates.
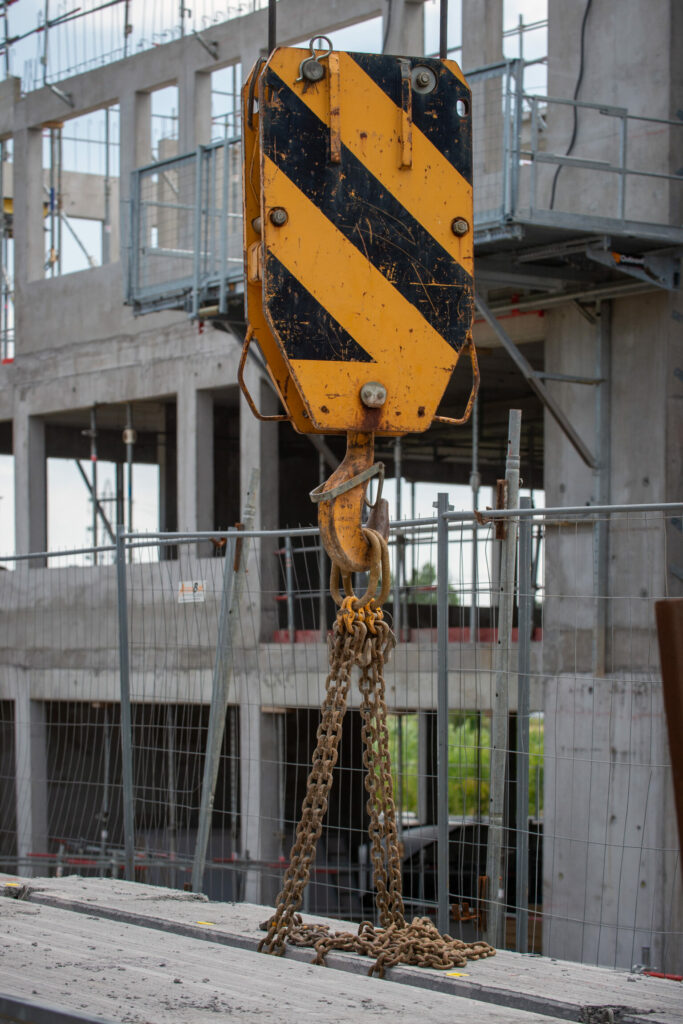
(304, 327)
(434, 113)
(367, 214)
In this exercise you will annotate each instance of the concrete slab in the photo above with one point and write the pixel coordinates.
(132, 973)
(70, 914)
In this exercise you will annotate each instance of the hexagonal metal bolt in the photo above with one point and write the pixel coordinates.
(422, 78)
(459, 226)
(278, 216)
(373, 394)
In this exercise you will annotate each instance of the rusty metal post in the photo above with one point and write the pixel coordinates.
(669, 616)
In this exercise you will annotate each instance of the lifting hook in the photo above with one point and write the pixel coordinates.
(340, 503)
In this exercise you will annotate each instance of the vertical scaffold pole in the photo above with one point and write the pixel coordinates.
(233, 584)
(126, 719)
(525, 622)
(442, 506)
(501, 703)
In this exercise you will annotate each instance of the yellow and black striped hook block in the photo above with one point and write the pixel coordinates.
(364, 256)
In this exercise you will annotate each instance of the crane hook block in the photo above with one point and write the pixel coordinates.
(358, 235)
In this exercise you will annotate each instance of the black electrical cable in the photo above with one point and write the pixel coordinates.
(443, 30)
(272, 34)
(576, 95)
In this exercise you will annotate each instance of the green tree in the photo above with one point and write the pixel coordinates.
(422, 586)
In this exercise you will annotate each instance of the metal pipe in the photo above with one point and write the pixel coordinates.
(272, 25)
(475, 483)
(322, 595)
(525, 623)
(129, 465)
(171, 795)
(289, 583)
(233, 585)
(104, 811)
(126, 721)
(495, 869)
(398, 570)
(93, 475)
(443, 30)
(106, 223)
(443, 900)
(399, 773)
(601, 478)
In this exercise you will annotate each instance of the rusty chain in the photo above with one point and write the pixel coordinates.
(362, 639)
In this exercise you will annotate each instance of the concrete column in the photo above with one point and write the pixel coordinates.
(260, 795)
(194, 109)
(30, 744)
(406, 27)
(482, 32)
(269, 510)
(195, 458)
(136, 129)
(29, 235)
(30, 483)
(250, 458)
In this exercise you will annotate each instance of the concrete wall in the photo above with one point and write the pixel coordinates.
(611, 880)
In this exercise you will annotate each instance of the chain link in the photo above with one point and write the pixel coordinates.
(361, 641)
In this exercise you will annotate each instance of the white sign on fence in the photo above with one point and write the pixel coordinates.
(191, 591)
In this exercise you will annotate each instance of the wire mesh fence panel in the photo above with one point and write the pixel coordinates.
(60, 787)
(164, 234)
(226, 680)
(186, 229)
(492, 126)
(611, 865)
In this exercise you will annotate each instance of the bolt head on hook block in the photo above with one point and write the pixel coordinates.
(312, 70)
(278, 216)
(373, 394)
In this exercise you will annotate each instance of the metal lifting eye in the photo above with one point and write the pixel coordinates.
(310, 69)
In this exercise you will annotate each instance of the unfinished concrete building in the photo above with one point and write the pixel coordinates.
(578, 211)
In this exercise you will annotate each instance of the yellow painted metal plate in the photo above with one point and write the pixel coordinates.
(251, 185)
(366, 279)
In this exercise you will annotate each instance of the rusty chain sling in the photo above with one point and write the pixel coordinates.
(362, 639)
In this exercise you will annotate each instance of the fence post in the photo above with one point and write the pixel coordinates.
(289, 583)
(233, 584)
(442, 506)
(126, 723)
(525, 623)
(501, 705)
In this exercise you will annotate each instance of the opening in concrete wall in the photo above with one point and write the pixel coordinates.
(431, 28)
(8, 820)
(225, 102)
(6, 489)
(361, 37)
(124, 455)
(164, 122)
(525, 37)
(81, 191)
(6, 252)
